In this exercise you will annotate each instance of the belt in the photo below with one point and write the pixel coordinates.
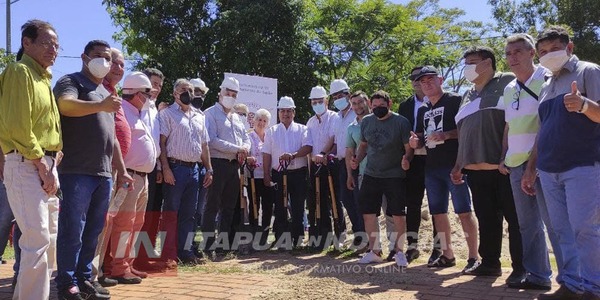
(46, 153)
(292, 171)
(226, 160)
(181, 162)
(142, 174)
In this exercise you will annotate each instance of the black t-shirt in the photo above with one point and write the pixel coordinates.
(440, 117)
(87, 141)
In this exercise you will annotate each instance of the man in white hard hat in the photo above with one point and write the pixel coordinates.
(340, 94)
(321, 132)
(200, 91)
(284, 151)
(229, 145)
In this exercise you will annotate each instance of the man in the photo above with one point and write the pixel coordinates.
(229, 145)
(436, 131)
(522, 124)
(30, 137)
(184, 143)
(415, 178)
(480, 123)
(200, 90)
(321, 138)
(384, 139)
(92, 150)
(128, 211)
(284, 152)
(567, 161)
(340, 94)
(150, 118)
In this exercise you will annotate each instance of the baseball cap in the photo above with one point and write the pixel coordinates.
(426, 70)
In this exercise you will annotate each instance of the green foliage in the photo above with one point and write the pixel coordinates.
(5, 59)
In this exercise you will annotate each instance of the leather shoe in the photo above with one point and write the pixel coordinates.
(127, 279)
(563, 293)
(107, 282)
(525, 284)
(483, 270)
(516, 277)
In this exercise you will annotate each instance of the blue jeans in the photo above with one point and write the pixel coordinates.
(349, 200)
(80, 220)
(573, 199)
(6, 217)
(532, 214)
(179, 208)
(438, 185)
(201, 197)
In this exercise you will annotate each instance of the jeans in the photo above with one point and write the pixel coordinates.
(350, 202)
(439, 185)
(533, 214)
(80, 222)
(202, 191)
(573, 199)
(178, 209)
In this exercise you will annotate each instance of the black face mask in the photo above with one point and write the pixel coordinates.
(197, 102)
(380, 111)
(185, 98)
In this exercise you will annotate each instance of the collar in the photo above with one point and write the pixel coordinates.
(571, 64)
(34, 65)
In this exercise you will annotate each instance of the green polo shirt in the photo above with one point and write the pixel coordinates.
(29, 117)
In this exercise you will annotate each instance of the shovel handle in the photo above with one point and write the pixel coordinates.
(332, 194)
(255, 206)
(285, 191)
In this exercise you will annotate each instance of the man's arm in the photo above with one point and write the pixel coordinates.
(166, 169)
(205, 157)
(219, 144)
(123, 178)
(501, 167)
(70, 106)
(530, 174)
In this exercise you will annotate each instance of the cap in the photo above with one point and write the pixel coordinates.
(426, 70)
(318, 92)
(286, 102)
(198, 83)
(230, 83)
(337, 86)
(136, 82)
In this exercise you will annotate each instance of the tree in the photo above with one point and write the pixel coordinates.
(5, 59)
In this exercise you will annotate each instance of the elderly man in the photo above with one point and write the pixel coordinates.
(229, 145)
(568, 161)
(92, 150)
(200, 90)
(184, 143)
(30, 137)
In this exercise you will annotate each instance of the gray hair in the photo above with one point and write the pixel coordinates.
(181, 81)
(527, 40)
(262, 113)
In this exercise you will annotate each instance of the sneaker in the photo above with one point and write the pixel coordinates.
(400, 259)
(390, 256)
(107, 282)
(483, 270)
(435, 254)
(472, 263)
(412, 254)
(525, 284)
(443, 262)
(72, 293)
(563, 293)
(88, 291)
(370, 257)
(516, 277)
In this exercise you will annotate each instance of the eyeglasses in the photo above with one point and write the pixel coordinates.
(242, 114)
(516, 95)
(47, 44)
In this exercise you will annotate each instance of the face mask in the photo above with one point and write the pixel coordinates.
(197, 102)
(554, 61)
(470, 73)
(341, 103)
(99, 67)
(228, 102)
(319, 108)
(380, 111)
(185, 98)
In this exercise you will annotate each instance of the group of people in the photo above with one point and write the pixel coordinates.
(128, 174)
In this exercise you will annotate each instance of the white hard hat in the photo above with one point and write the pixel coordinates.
(230, 83)
(338, 85)
(318, 92)
(198, 83)
(286, 102)
(136, 82)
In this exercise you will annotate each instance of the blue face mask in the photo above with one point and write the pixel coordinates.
(319, 108)
(341, 103)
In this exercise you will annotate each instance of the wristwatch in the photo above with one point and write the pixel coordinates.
(584, 106)
(210, 171)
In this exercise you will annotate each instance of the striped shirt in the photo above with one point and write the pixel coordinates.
(142, 152)
(521, 114)
(280, 140)
(227, 133)
(185, 133)
(320, 131)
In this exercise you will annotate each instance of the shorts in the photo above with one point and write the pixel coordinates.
(439, 186)
(372, 191)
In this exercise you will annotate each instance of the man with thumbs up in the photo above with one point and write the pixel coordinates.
(568, 161)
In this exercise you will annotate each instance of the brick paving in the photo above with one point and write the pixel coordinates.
(271, 276)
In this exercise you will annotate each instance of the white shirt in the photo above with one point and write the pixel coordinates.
(280, 140)
(320, 131)
(142, 153)
(341, 131)
(149, 116)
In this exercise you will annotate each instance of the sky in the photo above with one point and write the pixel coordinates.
(79, 21)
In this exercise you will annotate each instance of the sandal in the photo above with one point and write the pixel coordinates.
(442, 262)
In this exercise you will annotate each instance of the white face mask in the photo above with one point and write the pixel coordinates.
(319, 108)
(228, 102)
(99, 67)
(555, 60)
(341, 103)
(470, 73)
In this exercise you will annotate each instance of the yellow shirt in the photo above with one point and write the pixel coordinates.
(29, 117)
